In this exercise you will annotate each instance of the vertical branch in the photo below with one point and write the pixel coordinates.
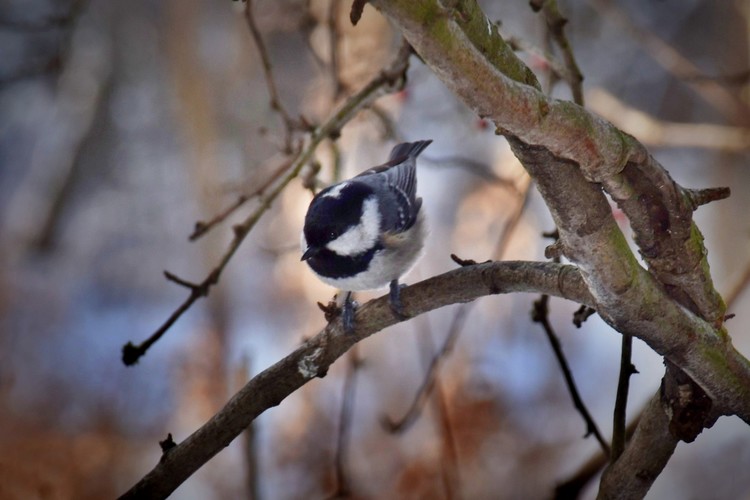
(451, 476)
(276, 105)
(428, 383)
(343, 488)
(621, 401)
(431, 386)
(540, 314)
(556, 28)
(503, 240)
(333, 40)
(242, 374)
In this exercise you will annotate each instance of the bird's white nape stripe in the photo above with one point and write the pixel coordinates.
(363, 236)
(335, 191)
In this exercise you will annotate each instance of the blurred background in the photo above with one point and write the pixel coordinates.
(124, 123)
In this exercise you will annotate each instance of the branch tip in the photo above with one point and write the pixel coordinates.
(582, 314)
(554, 251)
(176, 279)
(330, 311)
(700, 197)
(131, 354)
(467, 262)
(356, 13)
(167, 444)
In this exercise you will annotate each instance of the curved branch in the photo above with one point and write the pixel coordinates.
(572, 154)
(462, 46)
(313, 358)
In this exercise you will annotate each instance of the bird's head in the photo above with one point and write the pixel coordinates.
(343, 219)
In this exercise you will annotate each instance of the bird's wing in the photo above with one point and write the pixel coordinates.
(396, 181)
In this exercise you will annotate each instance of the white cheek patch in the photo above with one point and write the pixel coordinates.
(361, 237)
(335, 191)
(303, 242)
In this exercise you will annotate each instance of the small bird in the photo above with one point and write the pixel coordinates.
(366, 232)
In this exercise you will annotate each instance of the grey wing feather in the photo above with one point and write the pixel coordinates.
(400, 169)
(397, 182)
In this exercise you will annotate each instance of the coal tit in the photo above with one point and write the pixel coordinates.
(366, 232)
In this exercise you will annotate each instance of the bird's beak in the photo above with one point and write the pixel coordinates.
(310, 252)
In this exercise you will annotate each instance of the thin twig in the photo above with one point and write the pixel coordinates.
(736, 291)
(621, 400)
(451, 470)
(653, 131)
(390, 79)
(202, 227)
(472, 166)
(712, 92)
(556, 25)
(503, 240)
(343, 486)
(333, 41)
(276, 104)
(428, 383)
(243, 374)
(540, 315)
(554, 64)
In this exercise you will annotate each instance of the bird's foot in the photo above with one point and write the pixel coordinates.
(347, 313)
(395, 300)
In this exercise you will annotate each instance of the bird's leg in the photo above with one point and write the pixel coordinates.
(395, 300)
(347, 313)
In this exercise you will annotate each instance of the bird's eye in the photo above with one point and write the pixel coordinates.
(332, 235)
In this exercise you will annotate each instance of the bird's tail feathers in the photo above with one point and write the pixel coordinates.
(406, 150)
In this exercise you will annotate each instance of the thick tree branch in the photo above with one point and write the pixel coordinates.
(464, 49)
(572, 155)
(646, 455)
(572, 147)
(313, 358)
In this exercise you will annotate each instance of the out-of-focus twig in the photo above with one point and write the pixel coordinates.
(554, 64)
(710, 90)
(333, 41)
(504, 239)
(540, 314)
(556, 25)
(289, 124)
(428, 383)
(343, 486)
(202, 227)
(389, 79)
(450, 465)
(242, 374)
(736, 291)
(472, 166)
(653, 131)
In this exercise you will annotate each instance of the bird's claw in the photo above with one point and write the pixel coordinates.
(395, 300)
(347, 313)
